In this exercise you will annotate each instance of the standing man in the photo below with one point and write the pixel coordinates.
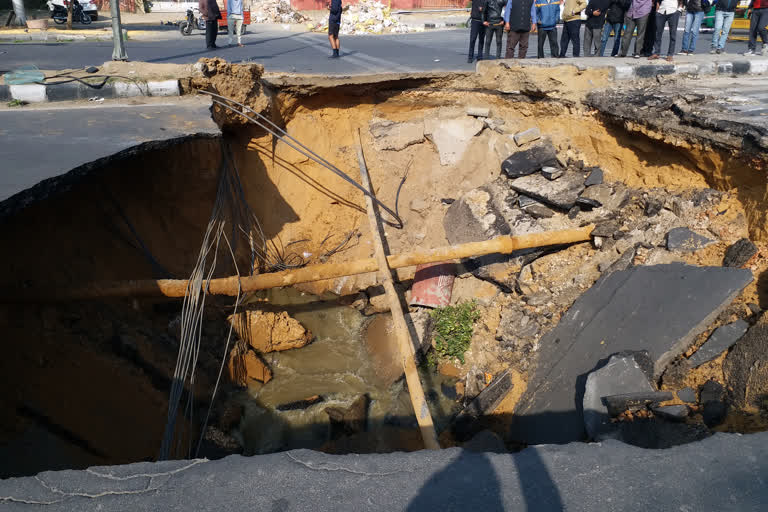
(757, 25)
(724, 12)
(636, 17)
(493, 19)
(668, 12)
(210, 12)
(519, 21)
(235, 20)
(476, 30)
(596, 10)
(547, 12)
(694, 15)
(614, 20)
(571, 26)
(334, 25)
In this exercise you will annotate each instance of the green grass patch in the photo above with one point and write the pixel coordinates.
(16, 103)
(453, 326)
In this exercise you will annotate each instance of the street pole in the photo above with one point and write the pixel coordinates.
(118, 51)
(18, 9)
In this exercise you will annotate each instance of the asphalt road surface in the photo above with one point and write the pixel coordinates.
(290, 52)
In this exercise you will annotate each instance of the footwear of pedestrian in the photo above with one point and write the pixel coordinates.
(636, 56)
(240, 45)
(682, 52)
(719, 51)
(653, 57)
(714, 51)
(670, 58)
(749, 52)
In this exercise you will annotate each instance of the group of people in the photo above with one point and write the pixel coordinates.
(643, 20)
(210, 12)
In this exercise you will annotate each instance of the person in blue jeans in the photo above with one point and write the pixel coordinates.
(614, 21)
(694, 15)
(724, 12)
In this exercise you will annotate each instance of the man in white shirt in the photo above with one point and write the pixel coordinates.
(667, 13)
(235, 20)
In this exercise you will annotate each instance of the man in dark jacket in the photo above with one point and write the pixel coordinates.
(493, 19)
(547, 12)
(476, 30)
(519, 21)
(614, 21)
(334, 25)
(724, 13)
(757, 25)
(210, 12)
(596, 10)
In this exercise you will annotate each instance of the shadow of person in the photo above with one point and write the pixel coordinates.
(539, 491)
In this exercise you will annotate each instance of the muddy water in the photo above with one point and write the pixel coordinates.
(337, 366)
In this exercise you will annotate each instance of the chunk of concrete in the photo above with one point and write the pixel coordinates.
(746, 368)
(711, 391)
(617, 404)
(718, 342)
(391, 136)
(683, 239)
(451, 137)
(620, 375)
(528, 161)
(595, 177)
(552, 173)
(478, 111)
(659, 308)
(561, 193)
(738, 254)
(687, 395)
(671, 412)
(539, 211)
(529, 135)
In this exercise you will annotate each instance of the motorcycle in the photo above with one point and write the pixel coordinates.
(192, 22)
(59, 13)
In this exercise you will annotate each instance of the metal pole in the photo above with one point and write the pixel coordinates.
(18, 8)
(118, 51)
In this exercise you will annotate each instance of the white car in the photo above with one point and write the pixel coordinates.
(89, 7)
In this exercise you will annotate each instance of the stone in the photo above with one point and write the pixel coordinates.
(586, 203)
(574, 212)
(268, 331)
(484, 403)
(600, 193)
(597, 242)
(243, 367)
(713, 413)
(739, 253)
(676, 373)
(447, 200)
(529, 135)
(687, 395)
(683, 239)
(476, 216)
(561, 193)
(711, 391)
(625, 261)
(391, 136)
(718, 342)
(419, 205)
(351, 420)
(531, 160)
(660, 309)
(539, 211)
(525, 201)
(451, 137)
(746, 368)
(621, 374)
(552, 173)
(478, 111)
(617, 404)
(595, 177)
(495, 124)
(485, 441)
(652, 207)
(671, 412)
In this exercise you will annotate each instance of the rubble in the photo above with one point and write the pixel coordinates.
(687, 395)
(595, 177)
(746, 368)
(391, 136)
(617, 404)
(452, 136)
(267, 331)
(718, 342)
(739, 253)
(683, 239)
(672, 412)
(528, 161)
(276, 11)
(529, 135)
(246, 366)
(369, 17)
(561, 193)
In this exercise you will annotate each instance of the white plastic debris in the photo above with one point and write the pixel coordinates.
(276, 11)
(368, 17)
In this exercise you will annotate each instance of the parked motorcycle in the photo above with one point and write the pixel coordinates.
(192, 22)
(59, 13)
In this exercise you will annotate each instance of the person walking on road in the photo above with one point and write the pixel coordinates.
(547, 12)
(209, 11)
(694, 15)
(334, 25)
(668, 12)
(596, 11)
(235, 20)
(757, 25)
(614, 21)
(571, 26)
(636, 17)
(519, 21)
(724, 13)
(493, 19)
(476, 30)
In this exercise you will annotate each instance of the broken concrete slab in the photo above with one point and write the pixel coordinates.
(552, 173)
(687, 395)
(718, 342)
(746, 368)
(595, 177)
(671, 412)
(657, 308)
(561, 193)
(617, 404)
(620, 375)
(528, 161)
(391, 136)
(478, 111)
(739, 253)
(683, 239)
(585, 203)
(600, 193)
(451, 137)
(529, 135)
(539, 211)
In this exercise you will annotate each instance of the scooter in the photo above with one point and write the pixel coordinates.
(59, 13)
(192, 22)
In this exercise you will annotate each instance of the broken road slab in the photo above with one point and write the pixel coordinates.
(658, 308)
(718, 342)
(528, 161)
(561, 193)
(683, 239)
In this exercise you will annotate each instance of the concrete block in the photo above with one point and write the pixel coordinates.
(529, 135)
(687, 69)
(128, 89)
(478, 111)
(64, 92)
(164, 88)
(758, 66)
(561, 193)
(740, 67)
(31, 93)
(724, 68)
(5, 93)
(707, 68)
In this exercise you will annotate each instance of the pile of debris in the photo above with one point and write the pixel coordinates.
(369, 17)
(275, 11)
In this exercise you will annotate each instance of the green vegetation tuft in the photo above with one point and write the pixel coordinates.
(16, 103)
(453, 327)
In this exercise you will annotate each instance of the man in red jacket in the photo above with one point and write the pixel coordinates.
(210, 12)
(757, 25)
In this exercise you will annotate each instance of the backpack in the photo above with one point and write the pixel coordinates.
(705, 5)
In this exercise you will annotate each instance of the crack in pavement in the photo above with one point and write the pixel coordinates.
(325, 466)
